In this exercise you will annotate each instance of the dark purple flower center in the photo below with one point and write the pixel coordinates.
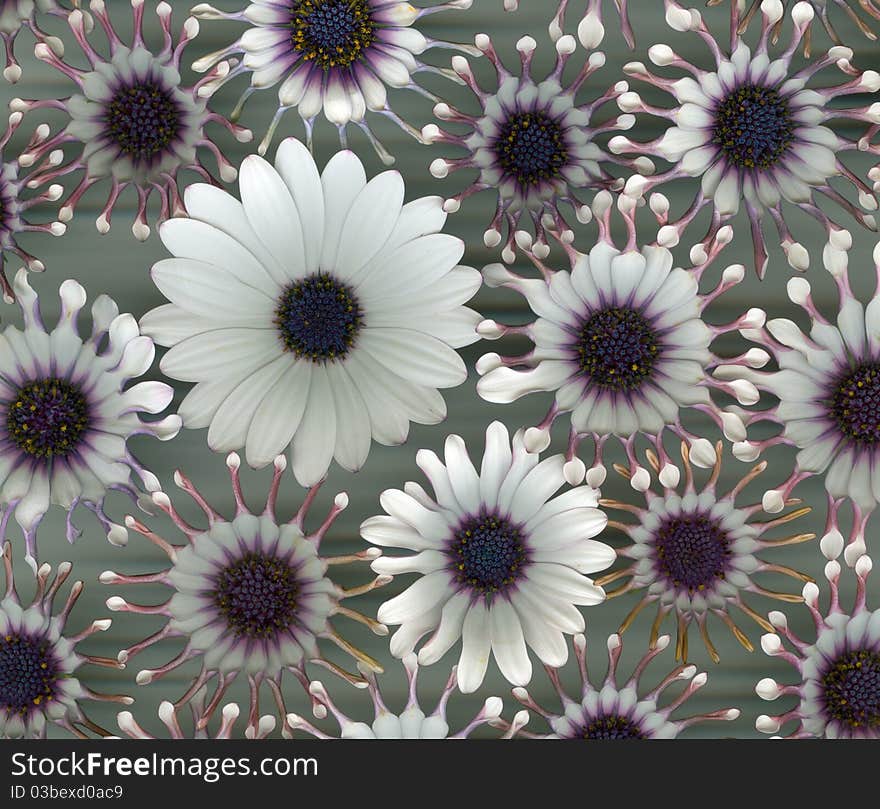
(48, 418)
(488, 553)
(852, 689)
(855, 404)
(318, 318)
(617, 348)
(28, 673)
(753, 127)
(692, 551)
(142, 120)
(332, 33)
(613, 726)
(531, 148)
(257, 595)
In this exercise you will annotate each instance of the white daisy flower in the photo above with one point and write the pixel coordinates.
(133, 121)
(320, 312)
(67, 411)
(39, 663)
(535, 143)
(756, 130)
(828, 386)
(621, 341)
(695, 552)
(502, 565)
(251, 597)
(837, 690)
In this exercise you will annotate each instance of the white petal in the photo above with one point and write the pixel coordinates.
(462, 474)
(229, 427)
(416, 356)
(508, 643)
(449, 630)
(190, 238)
(343, 180)
(315, 439)
(370, 222)
(475, 649)
(218, 353)
(353, 435)
(496, 463)
(423, 594)
(279, 414)
(297, 168)
(272, 214)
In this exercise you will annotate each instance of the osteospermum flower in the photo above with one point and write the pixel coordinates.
(618, 710)
(695, 552)
(339, 56)
(838, 688)
(621, 340)
(320, 313)
(755, 131)
(411, 723)
(18, 14)
(502, 565)
(532, 142)
(67, 410)
(134, 122)
(828, 384)
(169, 715)
(251, 596)
(14, 179)
(39, 664)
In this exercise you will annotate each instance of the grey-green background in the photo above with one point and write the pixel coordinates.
(119, 266)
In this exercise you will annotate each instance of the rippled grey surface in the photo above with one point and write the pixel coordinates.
(119, 266)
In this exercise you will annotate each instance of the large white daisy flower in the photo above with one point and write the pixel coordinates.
(502, 565)
(67, 411)
(319, 312)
